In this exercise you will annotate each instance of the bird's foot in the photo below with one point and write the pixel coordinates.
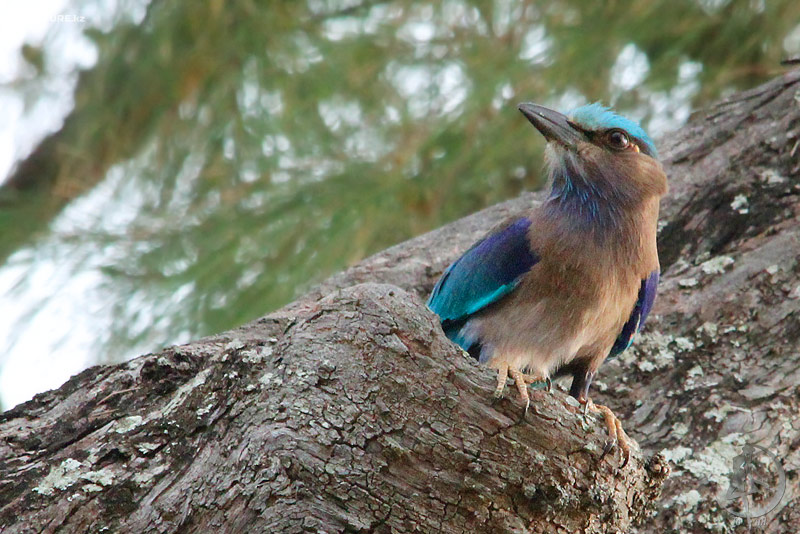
(502, 375)
(521, 380)
(616, 435)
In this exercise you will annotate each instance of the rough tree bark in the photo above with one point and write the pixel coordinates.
(348, 410)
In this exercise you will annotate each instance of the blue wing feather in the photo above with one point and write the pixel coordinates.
(647, 296)
(492, 268)
(485, 273)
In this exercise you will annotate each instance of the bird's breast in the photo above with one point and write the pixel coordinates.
(559, 312)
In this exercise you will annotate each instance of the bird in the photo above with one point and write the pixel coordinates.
(554, 292)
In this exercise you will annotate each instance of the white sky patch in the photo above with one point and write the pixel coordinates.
(66, 50)
(430, 89)
(363, 142)
(671, 109)
(366, 144)
(503, 94)
(112, 205)
(180, 203)
(23, 22)
(337, 112)
(417, 31)
(453, 85)
(336, 29)
(53, 297)
(56, 27)
(342, 28)
(506, 14)
(461, 15)
(62, 326)
(570, 99)
(629, 70)
(254, 101)
(536, 46)
(712, 6)
(53, 342)
(57, 302)
(791, 43)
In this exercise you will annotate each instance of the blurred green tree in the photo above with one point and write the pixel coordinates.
(237, 152)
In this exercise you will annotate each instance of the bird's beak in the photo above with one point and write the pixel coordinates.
(554, 126)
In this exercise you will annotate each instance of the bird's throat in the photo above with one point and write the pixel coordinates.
(584, 206)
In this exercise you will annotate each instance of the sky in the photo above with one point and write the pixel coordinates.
(39, 290)
(30, 22)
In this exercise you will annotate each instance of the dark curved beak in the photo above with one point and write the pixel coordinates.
(554, 126)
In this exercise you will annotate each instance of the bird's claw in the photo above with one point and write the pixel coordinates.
(521, 381)
(608, 447)
(502, 374)
(497, 396)
(616, 435)
(524, 413)
(586, 422)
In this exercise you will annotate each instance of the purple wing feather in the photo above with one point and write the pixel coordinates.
(647, 296)
(650, 287)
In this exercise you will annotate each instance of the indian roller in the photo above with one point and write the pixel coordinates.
(554, 293)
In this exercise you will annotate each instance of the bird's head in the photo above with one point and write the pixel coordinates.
(595, 154)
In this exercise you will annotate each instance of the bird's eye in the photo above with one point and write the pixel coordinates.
(618, 140)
